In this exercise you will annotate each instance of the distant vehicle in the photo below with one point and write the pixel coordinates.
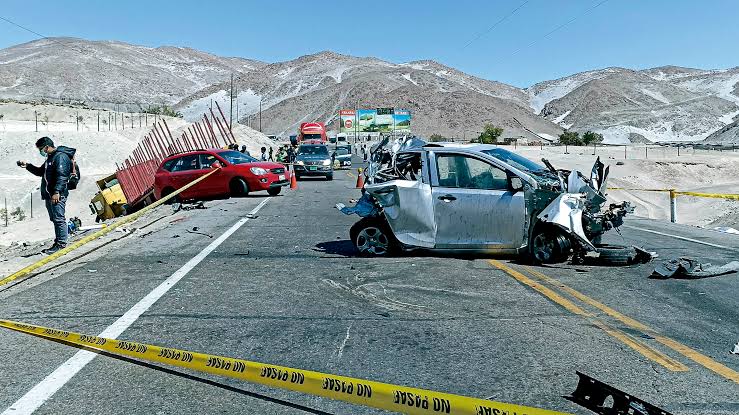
(313, 160)
(343, 156)
(239, 175)
(312, 133)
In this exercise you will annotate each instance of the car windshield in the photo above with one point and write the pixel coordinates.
(513, 159)
(313, 150)
(311, 136)
(342, 151)
(234, 157)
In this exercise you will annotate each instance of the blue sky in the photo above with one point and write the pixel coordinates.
(627, 33)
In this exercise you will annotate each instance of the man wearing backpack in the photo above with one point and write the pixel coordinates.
(59, 174)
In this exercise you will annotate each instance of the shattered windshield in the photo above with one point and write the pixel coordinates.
(513, 159)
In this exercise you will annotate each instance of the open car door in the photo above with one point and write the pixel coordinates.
(408, 209)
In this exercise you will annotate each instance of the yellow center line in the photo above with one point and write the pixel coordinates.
(684, 350)
(640, 347)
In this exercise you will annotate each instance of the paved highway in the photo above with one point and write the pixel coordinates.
(282, 285)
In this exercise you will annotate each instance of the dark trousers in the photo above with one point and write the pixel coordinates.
(56, 216)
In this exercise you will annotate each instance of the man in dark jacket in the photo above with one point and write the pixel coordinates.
(54, 175)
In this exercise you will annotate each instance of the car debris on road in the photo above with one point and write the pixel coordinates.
(477, 197)
(691, 268)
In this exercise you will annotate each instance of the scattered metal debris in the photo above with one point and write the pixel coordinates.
(251, 216)
(736, 349)
(691, 268)
(592, 394)
(195, 230)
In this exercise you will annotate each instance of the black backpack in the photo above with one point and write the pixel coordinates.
(74, 177)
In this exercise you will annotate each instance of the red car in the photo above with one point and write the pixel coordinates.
(239, 175)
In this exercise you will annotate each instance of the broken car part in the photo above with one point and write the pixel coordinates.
(692, 268)
(593, 394)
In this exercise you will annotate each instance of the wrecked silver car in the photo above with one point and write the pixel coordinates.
(477, 197)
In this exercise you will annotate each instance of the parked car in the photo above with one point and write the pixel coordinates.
(449, 196)
(313, 160)
(239, 175)
(343, 155)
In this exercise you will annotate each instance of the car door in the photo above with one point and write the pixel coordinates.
(214, 185)
(183, 172)
(473, 206)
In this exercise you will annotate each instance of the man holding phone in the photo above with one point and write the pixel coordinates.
(55, 173)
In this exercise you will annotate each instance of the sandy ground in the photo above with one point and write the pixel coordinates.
(97, 155)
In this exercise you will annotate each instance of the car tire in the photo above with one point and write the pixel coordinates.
(615, 254)
(168, 191)
(372, 237)
(549, 245)
(238, 187)
(274, 191)
(330, 177)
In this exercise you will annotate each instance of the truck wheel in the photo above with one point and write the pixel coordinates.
(373, 237)
(615, 254)
(548, 245)
(274, 191)
(238, 187)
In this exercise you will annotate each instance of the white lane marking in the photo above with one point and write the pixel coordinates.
(679, 237)
(34, 398)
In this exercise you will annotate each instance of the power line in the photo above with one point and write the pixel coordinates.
(502, 19)
(533, 42)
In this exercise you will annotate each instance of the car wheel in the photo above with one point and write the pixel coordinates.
(238, 187)
(615, 254)
(168, 191)
(548, 245)
(274, 191)
(330, 177)
(373, 237)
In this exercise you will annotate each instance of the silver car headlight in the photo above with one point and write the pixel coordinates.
(327, 162)
(258, 171)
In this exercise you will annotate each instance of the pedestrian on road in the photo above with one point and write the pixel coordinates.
(290, 156)
(263, 156)
(55, 173)
(244, 150)
(364, 151)
(271, 158)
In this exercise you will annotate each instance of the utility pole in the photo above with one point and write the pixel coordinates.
(77, 119)
(260, 115)
(31, 204)
(109, 120)
(231, 103)
(35, 115)
(98, 121)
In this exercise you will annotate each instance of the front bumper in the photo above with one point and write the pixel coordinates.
(313, 170)
(269, 181)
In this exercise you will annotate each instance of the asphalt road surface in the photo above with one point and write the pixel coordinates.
(285, 287)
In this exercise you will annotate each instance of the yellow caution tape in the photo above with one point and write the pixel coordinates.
(130, 218)
(730, 196)
(353, 390)
(642, 190)
(711, 195)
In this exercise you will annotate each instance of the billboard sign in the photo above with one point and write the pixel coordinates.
(348, 120)
(402, 120)
(380, 120)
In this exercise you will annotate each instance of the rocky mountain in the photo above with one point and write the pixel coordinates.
(667, 103)
(315, 87)
(101, 73)
(660, 104)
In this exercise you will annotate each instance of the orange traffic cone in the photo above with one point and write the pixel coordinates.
(293, 181)
(360, 179)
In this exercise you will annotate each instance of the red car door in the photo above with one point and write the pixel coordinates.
(217, 183)
(183, 172)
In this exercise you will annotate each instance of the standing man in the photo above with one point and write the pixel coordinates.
(263, 156)
(55, 174)
(271, 158)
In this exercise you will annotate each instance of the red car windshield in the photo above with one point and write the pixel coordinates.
(234, 157)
